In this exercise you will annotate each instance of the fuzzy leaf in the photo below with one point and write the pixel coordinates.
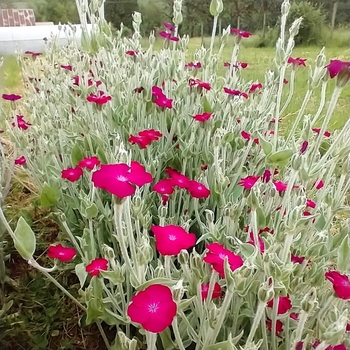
(266, 146)
(344, 255)
(77, 155)
(24, 241)
(81, 273)
(206, 105)
(280, 156)
(48, 197)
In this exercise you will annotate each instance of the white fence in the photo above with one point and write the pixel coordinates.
(20, 39)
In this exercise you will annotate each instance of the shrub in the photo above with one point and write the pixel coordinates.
(192, 221)
(310, 31)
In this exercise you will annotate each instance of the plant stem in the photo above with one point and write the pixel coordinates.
(177, 335)
(213, 34)
(301, 324)
(259, 314)
(151, 339)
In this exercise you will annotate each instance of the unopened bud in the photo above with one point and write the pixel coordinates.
(216, 7)
(309, 302)
(285, 7)
(266, 292)
(294, 29)
(183, 257)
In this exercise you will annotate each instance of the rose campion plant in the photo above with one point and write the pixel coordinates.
(197, 224)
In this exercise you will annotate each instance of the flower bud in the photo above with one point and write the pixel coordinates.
(294, 29)
(152, 38)
(309, 302)
(252, 200)
(285, 7)
(178, 291)
(297, 162)
(266, 292)
(209, 215)
(216, 7)
(177, 19)
(162, 211)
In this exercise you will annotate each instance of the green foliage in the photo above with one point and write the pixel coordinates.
(310, 31)
(120, 11)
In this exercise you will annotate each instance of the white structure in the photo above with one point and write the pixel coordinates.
(15, 40)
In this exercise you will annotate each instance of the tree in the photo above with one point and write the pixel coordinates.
(120, 11)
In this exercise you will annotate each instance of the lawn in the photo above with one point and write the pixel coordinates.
(36, 304)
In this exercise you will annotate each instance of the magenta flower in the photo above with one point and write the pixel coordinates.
(196, 65)
(164, 187)
(336, 66)
(178, 179)
(72, 174)
(142, 141)
(169, 26)
(197, 190)
(152, 134)
(171, 239)
(202, 117)
(297, 61)
(240, 33)
(310, 203)
(131, 53)
(318, 130)
(279, 326)
(168, 36)
(153, 308)
(99, 99)
(21, 160)
(67, 67)
(61, 253)
(266, 177)
(235, 92)
(21, 123)
(296, 259)
(281, 186)
(96, 266)
(303, 147)
(319, 184)
(33, 54)
(217, 292)
(284, 304)
(199, 83)
(121, 179)
(254, 87)
(216, 257)
(341, 284)
(89, 163)
(139, 89)
(11, 97)
(164, 102)
(247, 137)
(249, 181)
(261, 244)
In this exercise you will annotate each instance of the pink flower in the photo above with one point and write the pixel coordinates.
(169, 26)
(72, 174)
(318, 130)
(153, 308)
(196, 65)
(61, 253)
(341, 284)
(303, 147)
(279, 326)
(131, 53)
(284, 304)
(217, 292)
(297, 61)
(254, 87)
(68, 67)
(11, 97)
(294, 316)
(336, 66)
(21, 123)
(202, 117)
(247, 137)
(171, 239)
(33, 54)
(163, 102)
(168, 36)
(99, 99)
(197, 189)
(152, 134)
(216, 257)
(235, 92)
(120, 179)
(164, 187)
(96, 266)
(296, 259)
(330, 347)
(200, 84)
(285, 81)
(319, 184)
(142, 141)
(178, 179)
(89, 163)
(249, 181)
(21, 160)
(281, 186)
(240, 33)
(139, 89)
(266, 177)
(310, 203)
(261, 244)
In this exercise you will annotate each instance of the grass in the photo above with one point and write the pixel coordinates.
(40, 318)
